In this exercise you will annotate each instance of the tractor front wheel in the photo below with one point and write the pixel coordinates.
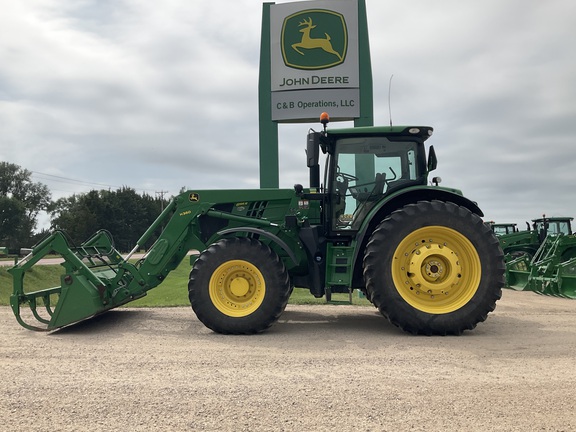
(238, 286)
(434, 268)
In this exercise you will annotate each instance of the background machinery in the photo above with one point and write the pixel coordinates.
(503, 228)
(527, 242)
(551, 271)
(545, 260)
(420, 253)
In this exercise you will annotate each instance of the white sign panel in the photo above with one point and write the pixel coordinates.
(307, 105)
(314, 56)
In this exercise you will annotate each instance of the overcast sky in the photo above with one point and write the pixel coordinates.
(163, 95)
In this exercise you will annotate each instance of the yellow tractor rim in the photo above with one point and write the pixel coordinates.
(237, 288)
(436, 270)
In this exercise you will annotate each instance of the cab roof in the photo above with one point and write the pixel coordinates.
(422, 132)
(554, 219)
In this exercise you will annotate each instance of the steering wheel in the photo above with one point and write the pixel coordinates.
(343, 177)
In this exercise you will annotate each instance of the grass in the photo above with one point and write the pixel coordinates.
(39, 277)
(172, 292)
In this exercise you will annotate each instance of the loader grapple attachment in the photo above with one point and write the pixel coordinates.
(552, 270)
(92, 283)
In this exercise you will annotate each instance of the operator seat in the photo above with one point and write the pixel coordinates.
(366, 205)
(379, 183)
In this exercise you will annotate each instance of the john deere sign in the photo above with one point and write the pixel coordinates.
(314, 57)
(314, 60)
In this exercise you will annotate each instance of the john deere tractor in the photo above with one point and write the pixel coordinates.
(503, 228)
(526, 243)
(419, 252)
(543, 260)
(551, 271)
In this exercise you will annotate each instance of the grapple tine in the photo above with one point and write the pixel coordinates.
(32, 305)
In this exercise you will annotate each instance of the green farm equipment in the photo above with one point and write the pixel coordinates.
(551, 271)
(526, 243)
(503, 228)
(419, 252)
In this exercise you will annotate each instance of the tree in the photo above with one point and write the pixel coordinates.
(20, 202)
(12, 212)
(74, 215)
(124, 213)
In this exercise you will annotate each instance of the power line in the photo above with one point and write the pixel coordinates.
(68, 180)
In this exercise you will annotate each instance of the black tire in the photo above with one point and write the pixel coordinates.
(521, 253)
(238, 286)
(434, 268)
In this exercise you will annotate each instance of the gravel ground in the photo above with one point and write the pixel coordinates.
(320, 368)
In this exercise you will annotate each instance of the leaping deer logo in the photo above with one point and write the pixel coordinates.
(314, 39)
(308, 42)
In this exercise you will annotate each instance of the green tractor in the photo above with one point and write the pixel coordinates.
(545, 261)
(551, 271)
(419, 252)
(503, 228)
(526, 243)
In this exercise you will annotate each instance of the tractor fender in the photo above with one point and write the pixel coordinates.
(410, 196)
(415, 194)
(397, 201)
(264, 233)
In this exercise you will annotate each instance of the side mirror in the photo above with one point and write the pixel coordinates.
(313, 149)
(432, 161)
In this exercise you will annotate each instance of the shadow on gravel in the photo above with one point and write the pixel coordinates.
(105, 322)
(371, 321)
(295, 321)
(298, 322)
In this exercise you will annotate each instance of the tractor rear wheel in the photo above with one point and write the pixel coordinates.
(434, 268)
(238, 286)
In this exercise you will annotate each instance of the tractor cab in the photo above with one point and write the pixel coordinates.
(503, 228)
(552, 226)
(365, 164)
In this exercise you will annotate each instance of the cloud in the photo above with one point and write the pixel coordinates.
(163, 95)
(493, 78)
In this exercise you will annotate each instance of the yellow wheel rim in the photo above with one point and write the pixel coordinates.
(436, 270)
(237, 288)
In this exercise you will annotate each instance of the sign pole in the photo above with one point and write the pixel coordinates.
(366, 93)
(268, 130)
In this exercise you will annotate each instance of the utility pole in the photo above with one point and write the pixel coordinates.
(161, 194)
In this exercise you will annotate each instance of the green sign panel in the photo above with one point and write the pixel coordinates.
(314, 39)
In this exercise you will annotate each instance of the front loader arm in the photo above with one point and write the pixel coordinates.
(180, 234)
(96, 278)
(183, 233)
